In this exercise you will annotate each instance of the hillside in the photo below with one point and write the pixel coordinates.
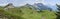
(25, 12)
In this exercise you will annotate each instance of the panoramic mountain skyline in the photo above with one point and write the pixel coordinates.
(22, 2)
(50, 3)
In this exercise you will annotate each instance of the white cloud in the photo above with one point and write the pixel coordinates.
(46, 2)
(22, 4)
(58, 3)
(17, 2)
(40, 1)
(3, 4)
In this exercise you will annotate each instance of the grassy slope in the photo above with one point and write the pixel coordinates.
(32, 14)
(27, 13)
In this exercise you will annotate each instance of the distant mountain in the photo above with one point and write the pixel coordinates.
(29, 6)
(38, 7)
(58, 7)
(41, 6)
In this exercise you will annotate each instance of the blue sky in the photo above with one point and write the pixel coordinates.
(22, 2)
(50, 3)
(16, 2)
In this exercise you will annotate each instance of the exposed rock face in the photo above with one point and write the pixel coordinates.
(10, 5)
(41, 6)
(58, 7)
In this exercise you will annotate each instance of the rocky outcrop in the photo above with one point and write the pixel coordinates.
(9, 6)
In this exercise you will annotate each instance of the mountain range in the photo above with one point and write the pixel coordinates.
(38, 6)
(41, 6)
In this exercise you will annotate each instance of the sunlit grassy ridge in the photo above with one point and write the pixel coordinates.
(10, 14)
(33, 14)
(28, 13)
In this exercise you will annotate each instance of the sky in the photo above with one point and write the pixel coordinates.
(50, 3)
(22, 2)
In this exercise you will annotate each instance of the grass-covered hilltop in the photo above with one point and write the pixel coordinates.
(25, 12)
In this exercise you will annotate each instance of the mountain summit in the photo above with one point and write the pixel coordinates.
(41, 6)
(9, 6)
